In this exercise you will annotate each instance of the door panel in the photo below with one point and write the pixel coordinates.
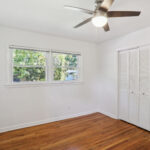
(144, 112)
(123, 85)
(133, 108)
(134, 70)
(144, 107)
(134, 86)
(123, 105)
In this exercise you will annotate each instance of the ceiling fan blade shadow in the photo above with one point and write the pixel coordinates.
(123, 13)
(79, 9)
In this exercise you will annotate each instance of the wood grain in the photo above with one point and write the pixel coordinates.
(123, 13)
(91, 132)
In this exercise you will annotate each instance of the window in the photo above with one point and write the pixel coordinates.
(38, 66)
(29, 65)
(65, 66)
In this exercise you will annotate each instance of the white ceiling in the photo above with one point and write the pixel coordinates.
(49, 16)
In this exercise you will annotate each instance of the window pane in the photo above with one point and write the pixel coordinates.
(64, 74)
(28, 57)
(22, 74)
(65, 60)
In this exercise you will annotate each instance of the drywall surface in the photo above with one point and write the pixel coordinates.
(24, 106)
(107, 81)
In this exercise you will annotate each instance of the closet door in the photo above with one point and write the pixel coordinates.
(123, 84)
(144, 107)
(134, 86)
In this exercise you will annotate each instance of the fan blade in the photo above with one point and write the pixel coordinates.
(84, 22)
(106, 5)
(79, 9)
(106, 27)
(123, 13)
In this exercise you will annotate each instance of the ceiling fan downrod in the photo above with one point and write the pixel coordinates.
(98, 4)
(99, 1)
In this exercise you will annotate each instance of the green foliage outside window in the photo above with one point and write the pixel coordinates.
(65, 66)
(28, 57)
(28, 65)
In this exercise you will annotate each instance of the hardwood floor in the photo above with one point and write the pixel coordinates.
(91, 132)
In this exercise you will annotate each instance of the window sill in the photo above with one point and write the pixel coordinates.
(43, 84)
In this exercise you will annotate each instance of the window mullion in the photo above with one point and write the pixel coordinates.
(29, 66)
(67, 67)
(48, 59)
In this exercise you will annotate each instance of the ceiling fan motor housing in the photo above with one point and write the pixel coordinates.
(100, 13)
(98, 6)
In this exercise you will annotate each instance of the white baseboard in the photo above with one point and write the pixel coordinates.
(108, 114)
(30, 124)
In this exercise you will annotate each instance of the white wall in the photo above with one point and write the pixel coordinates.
(107, 82)
(25, 106)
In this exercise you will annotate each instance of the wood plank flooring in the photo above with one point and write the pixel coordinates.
(91, 132)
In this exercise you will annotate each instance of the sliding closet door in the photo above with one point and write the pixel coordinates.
(144, 107)
(123, 85)
(134, 86)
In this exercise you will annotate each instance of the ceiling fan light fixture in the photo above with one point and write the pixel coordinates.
(101, 14)
(99, 21)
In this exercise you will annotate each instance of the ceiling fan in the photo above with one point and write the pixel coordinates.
(101, 14)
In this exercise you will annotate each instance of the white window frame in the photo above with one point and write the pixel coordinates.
(48, 68)
(79, 67)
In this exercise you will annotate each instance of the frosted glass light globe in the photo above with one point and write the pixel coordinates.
(99, 21)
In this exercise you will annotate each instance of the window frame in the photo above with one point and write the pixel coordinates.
(79, 67)
(27, 82)
(49, 67)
